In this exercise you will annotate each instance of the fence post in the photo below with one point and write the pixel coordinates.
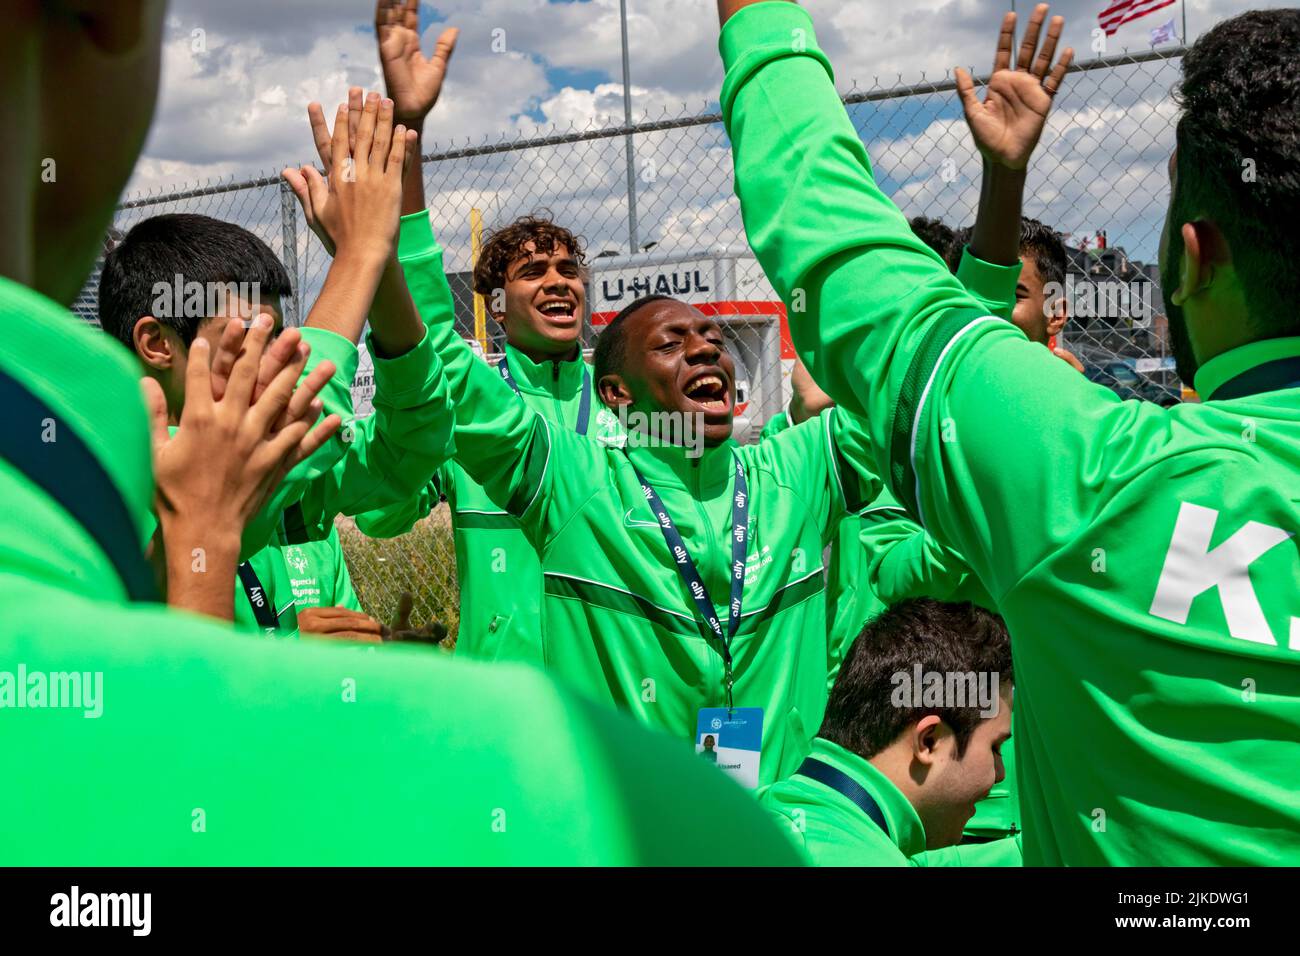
(632, 240)
(289, 253)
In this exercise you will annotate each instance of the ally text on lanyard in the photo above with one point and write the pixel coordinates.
(690, 574)
(584, 402)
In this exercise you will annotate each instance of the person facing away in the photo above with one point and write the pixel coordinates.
(1144, 558)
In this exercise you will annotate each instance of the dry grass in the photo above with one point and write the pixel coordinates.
(422, 561)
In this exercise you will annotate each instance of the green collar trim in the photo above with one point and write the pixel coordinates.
(905, 829)
(1221, 369)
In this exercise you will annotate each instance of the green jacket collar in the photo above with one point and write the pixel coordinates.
(679, 467)
(90, 379)
(905, 829)
(1221, 369)
(560, 378)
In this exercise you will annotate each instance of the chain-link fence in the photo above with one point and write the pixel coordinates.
(662, 217)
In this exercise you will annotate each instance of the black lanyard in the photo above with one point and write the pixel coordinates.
(67, 470)
(265, 615)
(584, 402)
(690, 574)
(1269, 377)
(842, 783)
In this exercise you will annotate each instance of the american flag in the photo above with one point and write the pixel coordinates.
(1122, 11)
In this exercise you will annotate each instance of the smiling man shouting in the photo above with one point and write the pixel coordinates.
(681, 578)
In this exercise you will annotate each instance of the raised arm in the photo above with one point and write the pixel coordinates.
(391, 454)
(888, 332)
(502, 443)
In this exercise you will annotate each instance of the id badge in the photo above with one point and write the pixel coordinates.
(732, 740)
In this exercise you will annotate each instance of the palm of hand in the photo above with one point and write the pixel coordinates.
(1008, 124)
(413, 82)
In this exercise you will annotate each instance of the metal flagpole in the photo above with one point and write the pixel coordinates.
(627, 117)
(1184, 6)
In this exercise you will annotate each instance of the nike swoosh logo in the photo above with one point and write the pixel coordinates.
(631, 522)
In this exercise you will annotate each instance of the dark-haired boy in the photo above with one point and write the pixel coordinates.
(176, 277)
(1038, 313)
(530, 274)
(911, 741)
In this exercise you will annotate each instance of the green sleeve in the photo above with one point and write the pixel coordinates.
(993, 286)
(774, 426)
(391, 454)
(399, 518)
(1004, 852)
(337, 399)
(903, 561)
(822, 459)
(569, 782)
(501, 443)
(889, 333)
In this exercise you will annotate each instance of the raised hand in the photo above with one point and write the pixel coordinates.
(358, 209)
(227, 455)
(401, 629)
(280, 352)
(1009, 123)
(412, 81)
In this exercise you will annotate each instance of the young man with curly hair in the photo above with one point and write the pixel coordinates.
(530, 274)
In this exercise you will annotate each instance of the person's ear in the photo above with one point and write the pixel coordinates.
(614, 391)
(152, 343)
(928, 735)
(1203, 249)
(1060, 314)
(113, 28)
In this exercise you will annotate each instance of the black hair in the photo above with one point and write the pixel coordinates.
(1239, 156)
(933, 232)
(1045, 248)
(611, 346)
(1037, 242)
(960, 239)
(198, 249)
(862, 714)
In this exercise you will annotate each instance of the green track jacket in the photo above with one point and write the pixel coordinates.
(318, 574)
(848, 604)
(832, 830)
(211, 747)
(877, 558)
(384, 458)
(618, 622)
(499, 572)
(1145, 559)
